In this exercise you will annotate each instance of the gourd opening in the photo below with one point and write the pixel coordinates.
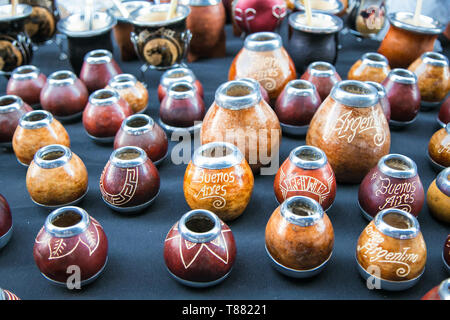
(128, 154)
(199, 223)
(66, 219)
(397, 220)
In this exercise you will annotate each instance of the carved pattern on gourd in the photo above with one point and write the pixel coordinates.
(58, 247)
(218, 242)
(289, 183)
(128, 189)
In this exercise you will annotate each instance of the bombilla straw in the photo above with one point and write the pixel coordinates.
(172, 9)
(88, 13)
(123, 11)
(418, 11)
(13, 7)
(308, 11)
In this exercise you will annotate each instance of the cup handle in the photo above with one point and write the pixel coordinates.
(134, 40)
(186, 36)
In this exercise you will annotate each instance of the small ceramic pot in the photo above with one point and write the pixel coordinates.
(122, 30)
(446, 253)
(264, 59)
(199, 250)
(27, 83)
(104, 115)
(403, 94)
(7, 295)
(299, 237)
(6, 222)
(323, 75)
(83, 37)
(393, 183)
(371, 67)
(438, 196)
(129, 181)
(391, 249)
(37, 129)
(218, 179)
(41, 25)
(56, 177)
(131, 90)
(367, 17)
(141, 131)
(318, 42)
(207, 24)
(329, 6)
(98, 69)
(171, 76)
(182, 108)
(439, 148)
(405, 41)
(444, 113)
(64, 95)
(15, 47)
(306, 172)
(256, 16)
(239, 116)
(158, 42)
(440, 292)
(70, 237)
(383, 99)
(350, 127)
(433, 77)
(12, 108)
(296, 106)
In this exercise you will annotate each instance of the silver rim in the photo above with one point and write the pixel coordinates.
(402, 76)
(411, 232)
(55, 163)
(182, 12)
(136, 131)
(444, 290)
(306, 88)
(71, 231)
(314, 208)
(327, 70)
(128, 163)
(263, 41)
(374, 59)
(397, 18)
(96, 97)
(199, 237)
(397, 173)
(62, 78)
(22, 11)
(123, 81)
(25, 72)
(10, 103)
(233, 158)
(98, 56)
(320, 159)
(336, 22)
(224, 100)
(178, 95)
(107, 21)
(380, 88)
(175, 75)
(27, 122)
(344, 92)
(442, 181)
(435, 59)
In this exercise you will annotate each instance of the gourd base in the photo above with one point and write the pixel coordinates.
(74, 202)
(196, 284)
(131, 209)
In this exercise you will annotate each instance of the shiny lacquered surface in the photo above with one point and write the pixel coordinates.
(26, 82)
(131, 90)
(439, 147)
(182, 107)
(438, 196)
(218, 179)
(297, 103)
(433, 76)
(12, 108)
(306, 172)
(70, 237)
(206, 22)
(56, 177)
(237, 112)
(350, 127)
(6, 222)
(104, 114)
(403, 94)
(444, 113)
(129, 181)
(64, 95)
(393, 246)
(299, 235)
(37, 129)
(371, 67)
(255, 16)
(404, 42)
(393, 183)
(176, 75)
(323, 75)
(199, 250)
(141, 131)
(98, 68)
(264, 59)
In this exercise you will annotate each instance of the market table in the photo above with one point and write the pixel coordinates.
(136, 267)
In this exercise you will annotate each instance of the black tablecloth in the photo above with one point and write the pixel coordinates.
(136, 267)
